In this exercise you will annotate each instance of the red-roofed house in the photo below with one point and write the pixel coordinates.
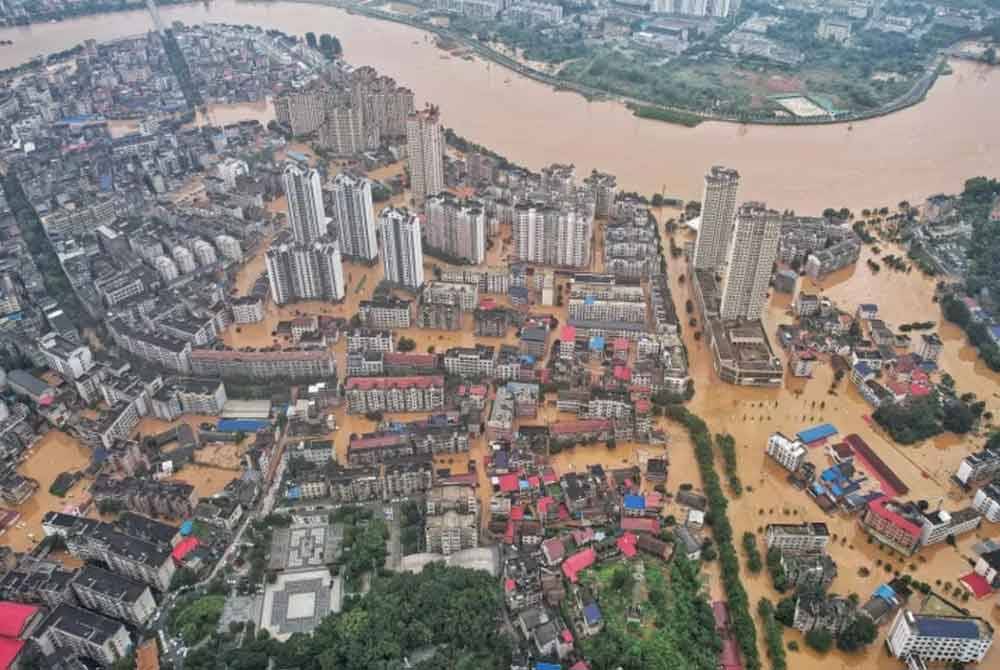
(554, 550)
(580, 665)
(626, 544)
(16, 619)
(509, 482)
(517, 513)
(547, 508)
(183, 548)
(10, 650)
(641, 524)
(888, 525)
(976, 584)
(579, 561)
(583, 537)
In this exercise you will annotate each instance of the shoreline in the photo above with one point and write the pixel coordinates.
(916, 94)
(653, 111)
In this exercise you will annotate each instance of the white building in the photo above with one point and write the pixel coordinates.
(204, 252)
(718, 207)
(230, 169)
(229, 247)
(248, 309)
(305, 271)
(752, 251)
(425, 153)
(939, 638)
(305, 203)
(789, 454)
(184, 259)
(403, 252)
(553, 236)
(68, 359)
(801, 538)
(166, 268)
(458, 228)
(987, 502)
(354, 217)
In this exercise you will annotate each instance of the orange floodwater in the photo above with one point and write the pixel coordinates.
(908, 155)
(925, 149)
(54, 453)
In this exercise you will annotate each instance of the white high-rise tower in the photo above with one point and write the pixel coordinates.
(402, 250)
(354, 217)
(752, 251)
(425, 152)
(305, 203)
(718, 206)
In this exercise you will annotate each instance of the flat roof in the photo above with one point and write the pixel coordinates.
(246, 409)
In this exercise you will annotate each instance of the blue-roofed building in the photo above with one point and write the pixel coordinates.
(592, 619)
(634, 504)
(547, 666)
(597, 343)
(820, 432)
(995, 333)
(187, 528)
(942, 639)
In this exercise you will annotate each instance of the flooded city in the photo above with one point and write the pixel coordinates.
(914, 153)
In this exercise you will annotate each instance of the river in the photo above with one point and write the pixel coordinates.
(925, 149)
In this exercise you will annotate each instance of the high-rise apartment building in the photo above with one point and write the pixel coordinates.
(403, 252)
(305, 203)
(551, 235)
(752, 251)
(354, 217)
(305, 271)
(425, 151)
(456, 227)
(718, 206)
(344, 131)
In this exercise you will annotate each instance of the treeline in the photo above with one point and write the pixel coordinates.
(181, 70)
(328, 45)
(452, 611)
(683, 634)
(739, 605)
(56, 283)
(978, 332)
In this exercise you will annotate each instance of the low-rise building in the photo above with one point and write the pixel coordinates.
(114, 595)
(961, 639)
(789, 454)
(798, 539)
(85, 633)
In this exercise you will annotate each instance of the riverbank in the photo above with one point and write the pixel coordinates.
(929, 148)
(644, 107)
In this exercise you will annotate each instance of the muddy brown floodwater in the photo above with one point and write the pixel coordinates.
(54, 453)
(925, 149)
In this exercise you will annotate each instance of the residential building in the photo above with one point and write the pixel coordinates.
(751, 256)
(299, 271)
(823, 262)
(451, 531)
(385, 312)
(425, 153)
(929, 347)
(987, 502)
(959, 639)
(306, 213)
(402, 255)
(718, 208)
(475, 362)
(394, 394)
(69, 359)
(248, 309)
(113, 595)
(456, 228)
(85, 633)
(798, 539)
(789, 454)
(559, 236)
(354, 216)
(366, 339)
(299, 364)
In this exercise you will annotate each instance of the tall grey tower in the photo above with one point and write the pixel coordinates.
(718, 206)
(425, 153)
(402, 248)
(306, 213)
(752, 251)
(354, 217)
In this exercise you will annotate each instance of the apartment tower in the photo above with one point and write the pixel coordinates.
(403, 252)
(305, 203)
(718, 206)
(354, 217)
(752, 251)
(425, 151)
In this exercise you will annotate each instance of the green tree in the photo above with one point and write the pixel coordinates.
(311, 40)
(859, 633)
(820, 640)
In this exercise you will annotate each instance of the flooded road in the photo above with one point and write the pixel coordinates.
(55, 453)
(926, 149)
